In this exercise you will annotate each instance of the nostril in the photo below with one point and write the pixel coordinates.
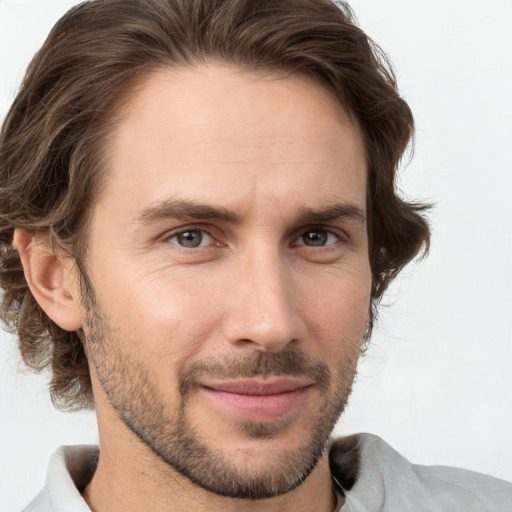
(246, 341)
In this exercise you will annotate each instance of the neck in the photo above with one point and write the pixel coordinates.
(137, 480)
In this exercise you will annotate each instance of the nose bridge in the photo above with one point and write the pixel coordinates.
(264, 310)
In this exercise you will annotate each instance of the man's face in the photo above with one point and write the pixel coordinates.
(228, 255)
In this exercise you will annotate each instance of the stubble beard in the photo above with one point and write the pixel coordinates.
(135, 396)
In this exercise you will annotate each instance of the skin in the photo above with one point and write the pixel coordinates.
(270, 281)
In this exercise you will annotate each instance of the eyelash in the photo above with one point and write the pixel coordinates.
(191, 229)
(339, 236)
(317, 230)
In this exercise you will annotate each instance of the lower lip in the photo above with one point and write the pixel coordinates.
(257, 407)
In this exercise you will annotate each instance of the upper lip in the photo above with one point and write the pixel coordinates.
(258, 386)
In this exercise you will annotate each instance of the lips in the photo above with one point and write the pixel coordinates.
(259, 387)
(258, 399)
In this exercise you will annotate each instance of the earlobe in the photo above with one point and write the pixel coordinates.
(50, 278)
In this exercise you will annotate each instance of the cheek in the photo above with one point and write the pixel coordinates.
(337, 309)
(174, 313)
(171, 315)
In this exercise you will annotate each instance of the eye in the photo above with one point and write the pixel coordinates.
(317, 238)
(191, 239)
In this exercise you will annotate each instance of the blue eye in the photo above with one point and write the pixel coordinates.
(191, 239)
(317, 238)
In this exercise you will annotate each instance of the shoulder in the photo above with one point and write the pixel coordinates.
(69, 470)
(41, 503)
(378, 478)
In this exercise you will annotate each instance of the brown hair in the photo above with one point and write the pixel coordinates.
(51, 140)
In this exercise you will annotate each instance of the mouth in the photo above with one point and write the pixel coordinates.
(258, 399)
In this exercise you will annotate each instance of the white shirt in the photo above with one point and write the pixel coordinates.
(374, 476)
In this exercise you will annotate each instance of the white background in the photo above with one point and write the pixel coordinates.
(437, 381)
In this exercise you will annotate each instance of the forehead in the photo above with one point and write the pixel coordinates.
(220, 133)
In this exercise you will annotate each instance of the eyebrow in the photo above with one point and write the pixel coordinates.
(184, 210)
(333, 212)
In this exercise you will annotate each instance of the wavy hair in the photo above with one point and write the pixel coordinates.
(52, 140)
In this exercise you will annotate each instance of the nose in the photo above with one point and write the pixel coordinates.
(264, 308)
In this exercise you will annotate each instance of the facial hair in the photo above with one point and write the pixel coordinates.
(135, 396)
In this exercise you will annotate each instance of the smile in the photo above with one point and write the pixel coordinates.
(258, 399)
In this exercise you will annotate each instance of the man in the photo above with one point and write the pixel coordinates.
(198, 221)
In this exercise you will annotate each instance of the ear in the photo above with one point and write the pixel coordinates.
(51, 278)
